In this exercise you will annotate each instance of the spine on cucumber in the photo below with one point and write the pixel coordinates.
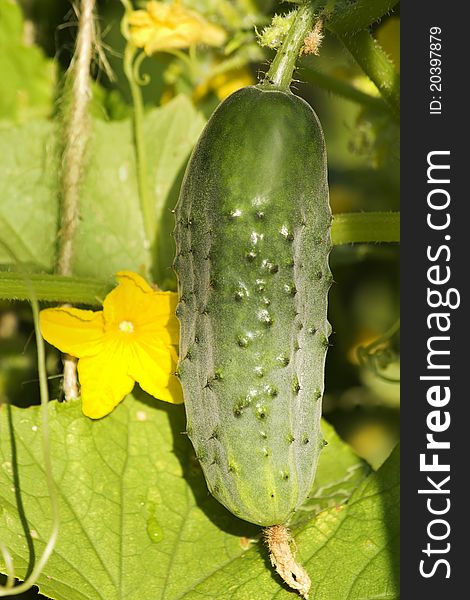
(252, 244)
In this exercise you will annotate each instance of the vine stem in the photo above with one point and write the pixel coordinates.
(365, 227)
(77, 135)
(51, 488)
(146, 205)
(54, 288)
(342, 88)
(377, 66)
(279, 541)
(347, 228)
(282, 67)
(9, 589)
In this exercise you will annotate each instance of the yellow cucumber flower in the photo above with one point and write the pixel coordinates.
(224, 84)
(133, 338)
(171, 26)
(227, 83)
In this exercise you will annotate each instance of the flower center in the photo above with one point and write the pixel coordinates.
(126, 326)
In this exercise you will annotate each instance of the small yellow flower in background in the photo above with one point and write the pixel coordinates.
(229, 82)
(224, 84)
(133, 339)
(171, 26)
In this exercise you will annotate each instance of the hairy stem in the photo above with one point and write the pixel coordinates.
(77, 134)
(377, 66)
(282, 68)
(53, 288)
(365, 227)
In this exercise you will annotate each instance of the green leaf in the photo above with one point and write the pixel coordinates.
(110, 236)
(339, 474)
(28, 194)
(169, 142)
(137, 520)
(27, 77)
(134, 507)
(110, 233)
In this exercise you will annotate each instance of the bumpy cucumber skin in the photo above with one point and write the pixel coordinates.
(252, 244)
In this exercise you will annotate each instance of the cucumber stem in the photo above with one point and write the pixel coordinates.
(278, 540)
(282, 68)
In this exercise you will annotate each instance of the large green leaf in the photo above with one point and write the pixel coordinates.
(28, 194)
(169, 142)
(339, 474)
(110, 233)
(110, 236)
(137, 521)
(27, 77)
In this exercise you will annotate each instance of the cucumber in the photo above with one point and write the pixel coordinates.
(252, 244)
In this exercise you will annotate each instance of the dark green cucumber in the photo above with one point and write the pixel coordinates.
(253, 238)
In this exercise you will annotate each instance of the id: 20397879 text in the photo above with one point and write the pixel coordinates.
(435, 70)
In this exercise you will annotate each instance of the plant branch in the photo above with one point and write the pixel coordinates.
(282, 67)
(77, 97)
(343, 89)
(53, 288)
(370, 56)
(365, 227)
(347, 228)
(349, 18)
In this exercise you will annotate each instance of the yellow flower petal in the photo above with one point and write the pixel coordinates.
(104, 380)
(153, 368)
(125, 302)
(229, 82)
(167, 26)
(74, 331)
(151, 312)
(123, 276)
(132, 339)
(158, 320)
(141, 27)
